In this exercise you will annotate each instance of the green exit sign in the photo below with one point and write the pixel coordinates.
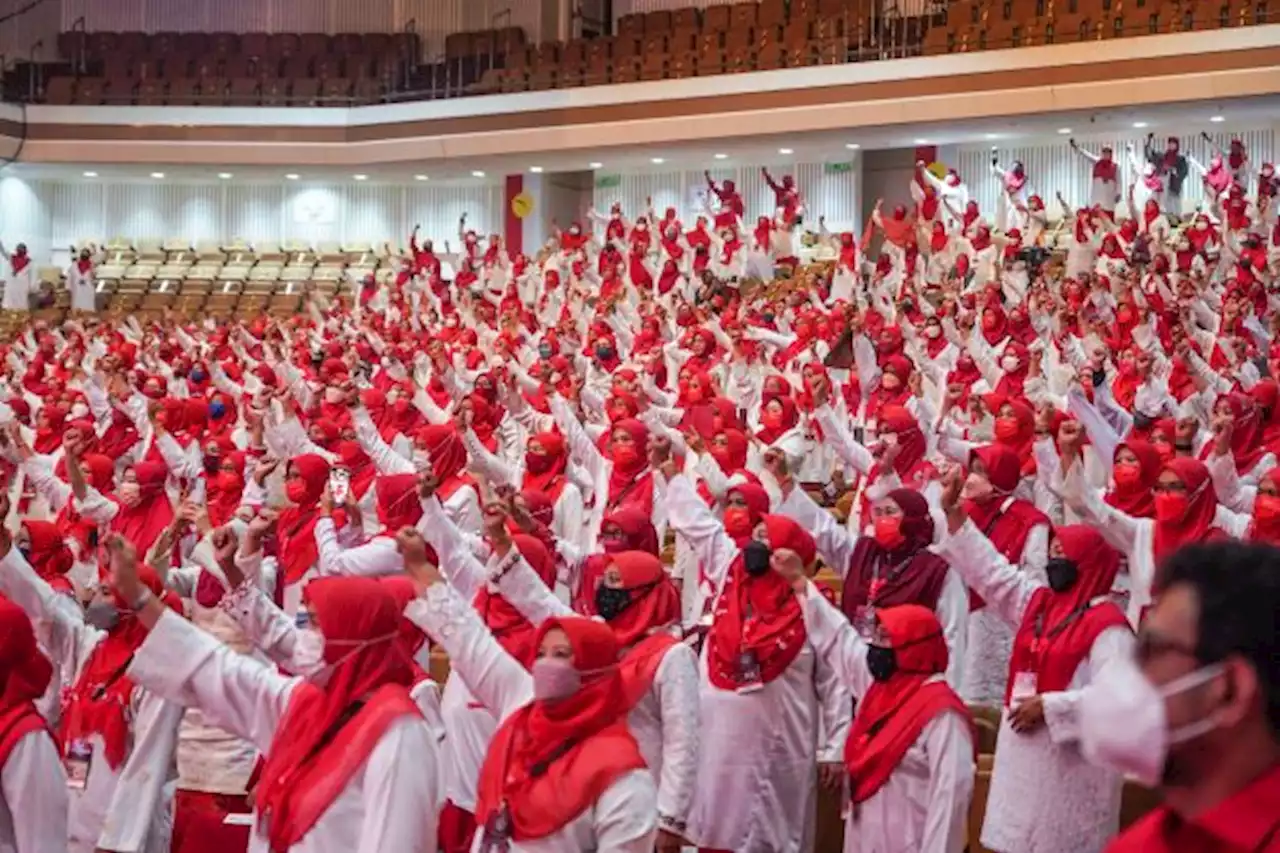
(837, 168)
(605, 182)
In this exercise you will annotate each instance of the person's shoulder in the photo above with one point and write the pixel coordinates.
(1140, 836)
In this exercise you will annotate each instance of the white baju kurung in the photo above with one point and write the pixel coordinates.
(33, 808)
(379, 811)
(623, 818)
(128, 808)
(1045, 798)
(18, 288)
(924, 805)
(82, 285)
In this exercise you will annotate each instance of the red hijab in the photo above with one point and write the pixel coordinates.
(398, 502)
(1135, 496)
(296, 525)
(26, 673)
(512, 630)
(771, 432)
(655, 601)
(894, 712)
(448, 458)
(48, 438)
(1247, 444)
(49, 554)
(1197, 524)
(551, 760)
(309, 764)
(630, 481)
(638, 534)
(759, 615)
(545, 472)
(1058, 628)
(224, 489)
(1006, 526)
(143, 522)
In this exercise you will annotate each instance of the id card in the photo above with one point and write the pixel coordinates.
(1024, 686)
(748, 674)
(496, 837)
(865, 620)
(77, 762)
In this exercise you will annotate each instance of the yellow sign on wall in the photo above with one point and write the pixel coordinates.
(522, 205)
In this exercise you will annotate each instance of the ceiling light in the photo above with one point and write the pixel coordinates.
(537, 170)
(421, 178)
(595, 165)
(922, 142)
(1064, 130)
(1139, 125)
(1218, 119)
(226, 176)
(359, 177)
(157, 175)
(785, 151)
(477, 174)
(91, 174)
(852, 146)
(291, 177)
(722, 156)
(657, 161)
(991, 136)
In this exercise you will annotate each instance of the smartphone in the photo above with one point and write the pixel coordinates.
(340, 485)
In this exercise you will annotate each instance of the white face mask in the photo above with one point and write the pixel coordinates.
(308, 654)
(333, 395)
(1201, 225)
(129, 494)
(1009, 363)
(1124, 724)
(933, 331)
(78, 411)
(976, 486)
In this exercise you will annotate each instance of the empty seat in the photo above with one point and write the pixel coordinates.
(60, 91)
(274, 92)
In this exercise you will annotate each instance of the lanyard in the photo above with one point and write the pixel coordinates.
(1037, 644)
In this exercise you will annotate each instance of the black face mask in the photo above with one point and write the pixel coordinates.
(881, 662)
(611, 601)
(1062, 573)
(755, 558)
(1140, 421)
(1182, 447)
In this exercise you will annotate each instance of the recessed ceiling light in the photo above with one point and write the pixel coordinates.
(922, 142)
(157, 175)
(226, 176)
(537, 170)
(722, 156)
(477, 174)
(991, 135)
(1064, 130)
(421, 178)
(291, 177)
(1139, 124)
(852, 146)
(1218, 119)
(657, 161)
(359, 177)
(595, 165)
(785, 151)
(91, 174)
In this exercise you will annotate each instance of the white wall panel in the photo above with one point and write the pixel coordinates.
(362, 16)
(629, 7)
(50, 216)
(834, 196)
(1053, 168)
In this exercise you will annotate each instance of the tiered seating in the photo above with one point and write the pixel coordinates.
(235, 279)
(989, 24)
(229, 69)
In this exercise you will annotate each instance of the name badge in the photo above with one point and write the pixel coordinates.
(1024, 686)
(748, 675)
(77, 762)
(865, 620)
(496, 837)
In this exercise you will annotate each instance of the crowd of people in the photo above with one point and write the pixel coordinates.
(231, 548)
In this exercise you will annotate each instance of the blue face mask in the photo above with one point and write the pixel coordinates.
(545, 350)
(604, 353)
(217, 409)
(198, 375)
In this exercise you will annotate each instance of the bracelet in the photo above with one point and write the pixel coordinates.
(142, 600)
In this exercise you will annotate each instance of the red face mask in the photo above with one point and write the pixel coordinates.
(737, 522)
(771, 418)
(537, 463)
(1165, 449)
(296, 491)
(1006, 428)
(1128, 475)
(888, 531)
(1266, 511)
(1171, 507)
(626, 455)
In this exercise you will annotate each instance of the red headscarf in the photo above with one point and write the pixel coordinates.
(512, 630)
(551, 760)
(49, 438)
(296, 525)
(733, 455)
(398, 502)
(759, 615)
(1197, 525)
(1137, 498)
(1017, 432)
(545, 472)
(1247, 445)
(26, 673)
(638, 534)
(224, 489)
(448, 458)
(655, 600)
(630, 481)
(99, 701)
(309, 764)
(789, 418)
(894, 712)
(1006, 526)
(143, 522)
(49, 554)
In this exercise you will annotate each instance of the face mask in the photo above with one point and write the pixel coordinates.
(537, 463)
(296, 491)
(933, 331)
(217, 409)
(888, 531)
(1006, 428)
(1124, 723)
(103, 615)
(771, 419)
(1128, 475)
(308, 653)
(755, 558)
(333, 395)
(545, 350)
(1010, 363)
(604, 353)
(737, 521)
(129, 494)
(211, 464)
(626, 455)
(976, 488)
(198, 375)
(554, 678)
(1062, 573)
(1171, 507)
(881, 662)
(611, 601)
(78, 411)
